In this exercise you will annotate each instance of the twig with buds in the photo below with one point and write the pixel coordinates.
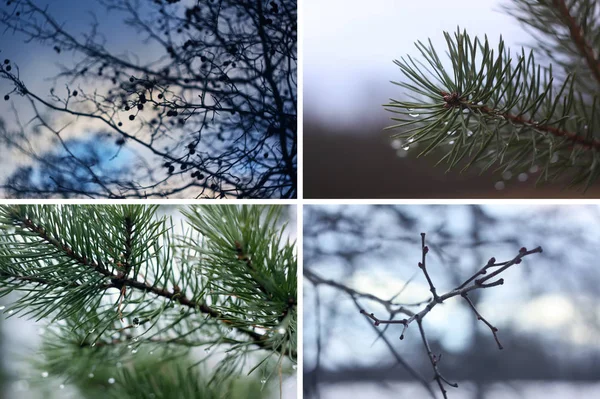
(472, 283)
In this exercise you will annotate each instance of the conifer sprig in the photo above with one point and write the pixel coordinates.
(568, 32)
(496, 109)
(115, 279)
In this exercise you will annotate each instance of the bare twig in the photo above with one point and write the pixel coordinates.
(472, 283)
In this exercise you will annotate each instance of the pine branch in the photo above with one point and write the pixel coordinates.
(498, 110)
(568, 32)
(69, 268)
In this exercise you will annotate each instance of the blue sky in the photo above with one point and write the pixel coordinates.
(38, 63)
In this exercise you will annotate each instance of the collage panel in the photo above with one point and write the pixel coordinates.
(195, 301)
(157, 243)
(130, 99)
(451, 301)
(468, 99)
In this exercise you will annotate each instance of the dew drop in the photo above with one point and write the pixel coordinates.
(21, 385)
(281, 331)
(499, 185)
(10, 311)
(295, 367)
(93, 344)
(111, 380)
(522, 177)
(263, 381)
(62, 386)
(2, 307)
(152, 352)
(469, 133)
(451, 142)
(45, 374)
(91, 375)
(401, 154)
(129, 346)
(135, 339)
(92, 330)
(134, 351)
(406, 148)
(397, 144)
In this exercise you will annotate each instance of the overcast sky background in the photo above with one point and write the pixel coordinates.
(349, 48)
(552, 310)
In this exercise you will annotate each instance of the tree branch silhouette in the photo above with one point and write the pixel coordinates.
(471, 284)
(212, 116)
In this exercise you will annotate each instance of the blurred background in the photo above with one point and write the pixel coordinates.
(547, 311)
(21, 353)
(349, 48)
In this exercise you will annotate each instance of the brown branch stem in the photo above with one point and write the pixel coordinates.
(577, 35)
(586, 143)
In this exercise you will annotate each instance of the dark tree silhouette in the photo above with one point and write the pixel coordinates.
(211, 115)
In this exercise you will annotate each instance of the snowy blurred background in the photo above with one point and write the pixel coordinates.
(547, 311)
(349, 48)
